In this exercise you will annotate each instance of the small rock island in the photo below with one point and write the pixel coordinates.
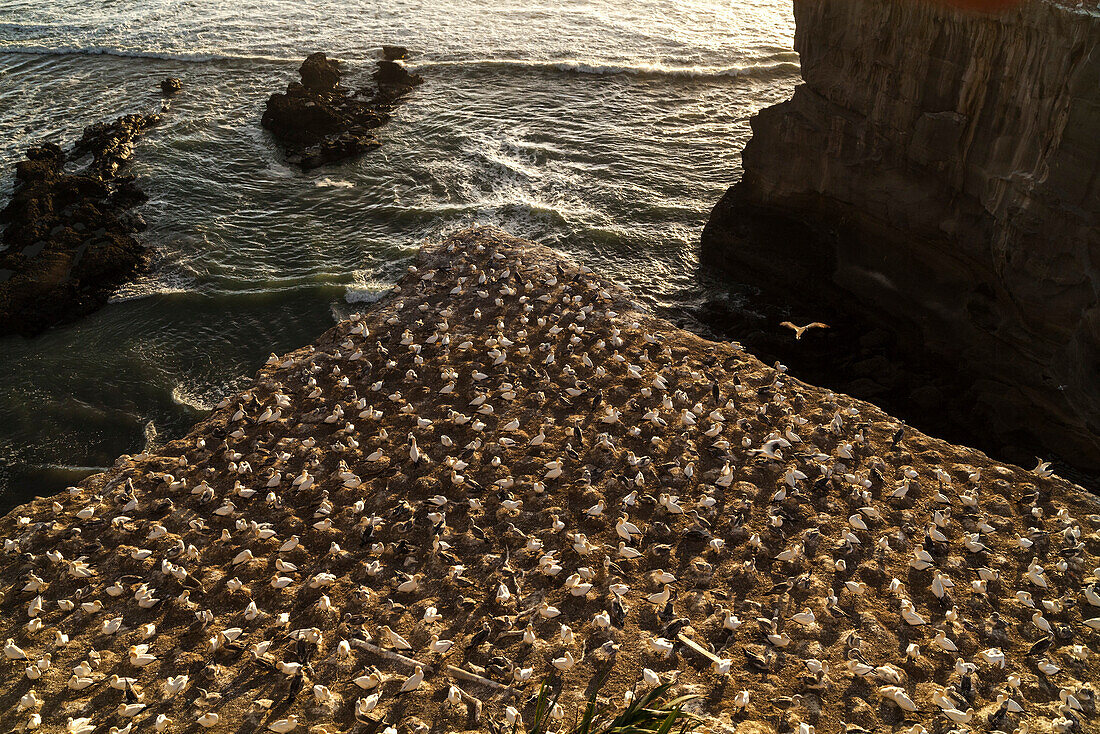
(317, 121)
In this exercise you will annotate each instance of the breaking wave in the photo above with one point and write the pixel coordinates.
(570, 66)
(15, 48)
(580, 66)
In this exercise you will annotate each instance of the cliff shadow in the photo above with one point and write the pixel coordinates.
(766, 267)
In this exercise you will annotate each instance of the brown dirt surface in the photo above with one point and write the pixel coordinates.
(486, 345)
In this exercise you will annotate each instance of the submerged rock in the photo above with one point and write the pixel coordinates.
(394, 80)
(394, 53)
(68, 235)
(317, 121)
(503, 473)
(170, 86)
(938, 170)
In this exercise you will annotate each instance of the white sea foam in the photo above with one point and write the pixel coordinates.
(183, 395)
(157, 284)
(151, 436)
(363, 295)
(169, 284)
(71, 468)
(367, 286)
(333, 183)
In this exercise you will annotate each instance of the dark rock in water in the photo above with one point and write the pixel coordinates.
(67, 237)
(395, 53)
(132, 222)
(319, 73)
(317, 121)
(394, 80)
(127, 194)
(170, 86)
(112, 144)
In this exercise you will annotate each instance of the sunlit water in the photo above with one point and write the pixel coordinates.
(605, 128)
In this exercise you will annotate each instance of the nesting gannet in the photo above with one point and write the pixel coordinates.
(413, 681)
(548, 404)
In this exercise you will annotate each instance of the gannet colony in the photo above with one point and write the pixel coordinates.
(505, 473)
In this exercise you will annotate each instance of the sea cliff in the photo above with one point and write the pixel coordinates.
(939, 169)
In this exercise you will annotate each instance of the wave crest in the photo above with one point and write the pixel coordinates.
(569, 66)
(580, 66)
(139, 54)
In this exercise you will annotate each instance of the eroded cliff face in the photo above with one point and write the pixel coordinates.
(944, 169)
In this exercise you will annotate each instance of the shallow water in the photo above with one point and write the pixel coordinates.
(605, 128)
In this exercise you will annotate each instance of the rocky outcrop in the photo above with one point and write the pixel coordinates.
(319, 122)
(941, 168)
(68, 236)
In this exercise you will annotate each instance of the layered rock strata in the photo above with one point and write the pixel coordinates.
(939, 169)
(317, 121)
(504, 473)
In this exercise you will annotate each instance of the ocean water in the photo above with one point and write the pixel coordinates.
(605, 128)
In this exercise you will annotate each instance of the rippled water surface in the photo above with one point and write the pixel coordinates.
(605, 128)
